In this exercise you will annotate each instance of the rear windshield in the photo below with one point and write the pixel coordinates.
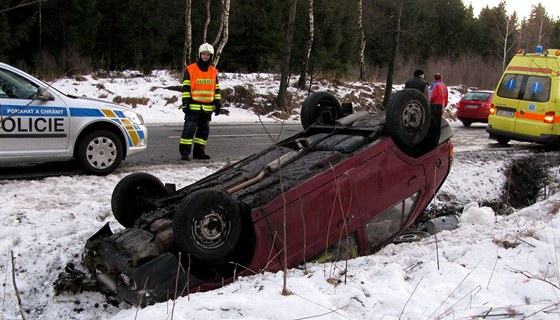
(478, 96)
(525, 87)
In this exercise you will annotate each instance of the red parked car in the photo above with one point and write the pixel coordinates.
(345, 186)
(474, 106)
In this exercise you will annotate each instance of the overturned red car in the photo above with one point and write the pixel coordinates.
(346, 185)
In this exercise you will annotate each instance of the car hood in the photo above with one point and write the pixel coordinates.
(95, 103)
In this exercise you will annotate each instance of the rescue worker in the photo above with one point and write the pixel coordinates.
(418, 83)
(438, 92)
(200, 97)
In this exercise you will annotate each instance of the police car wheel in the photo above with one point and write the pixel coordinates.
(320, 107)
(100, 152)
(133, 196)
(207, 225)
(408, 118)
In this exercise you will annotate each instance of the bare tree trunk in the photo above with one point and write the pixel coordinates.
(223, 30)
(541, 35)
(281, 103)
(504, 38)
(362, 43)
(308, 47)
(207, 22)
(40, 25)
(187, 47)
(285, 68)
(223, 10)
(392, 62)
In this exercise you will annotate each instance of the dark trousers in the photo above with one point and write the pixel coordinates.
(196, 129)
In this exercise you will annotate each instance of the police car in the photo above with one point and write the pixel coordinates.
(41, 124)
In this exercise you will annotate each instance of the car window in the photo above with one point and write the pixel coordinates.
(344, 249)
(510, 86)
(477, 96)
(14, 86)
(525, 87)
(536, 89)
(387, 224)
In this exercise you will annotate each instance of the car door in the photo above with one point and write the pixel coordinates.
(389, 188)
(507, 102)
(318, 214)
(533, 107)
(30, 128)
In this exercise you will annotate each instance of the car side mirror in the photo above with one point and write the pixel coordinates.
(43, 94)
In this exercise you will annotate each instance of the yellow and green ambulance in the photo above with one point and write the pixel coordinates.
(527, 99)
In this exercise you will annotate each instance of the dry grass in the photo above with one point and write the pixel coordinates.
(132, 101)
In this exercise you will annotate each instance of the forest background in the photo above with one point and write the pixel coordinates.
(368, 40)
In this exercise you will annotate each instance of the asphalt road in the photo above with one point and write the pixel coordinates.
(226, 141)
(233, 142)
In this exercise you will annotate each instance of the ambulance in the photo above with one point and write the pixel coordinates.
(527, 100)
(41, 124)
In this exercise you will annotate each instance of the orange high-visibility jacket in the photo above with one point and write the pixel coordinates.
(203, 83)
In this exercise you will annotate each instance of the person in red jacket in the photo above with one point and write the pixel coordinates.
(200, 97)
(438, 92)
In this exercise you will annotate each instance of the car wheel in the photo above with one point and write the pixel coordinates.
(503, 141)
(100, 152)
(131, 197)
(467, 123)
(207, 225)
(408, 117)
(320, 107)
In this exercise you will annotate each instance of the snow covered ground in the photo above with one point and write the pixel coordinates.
(492, 266)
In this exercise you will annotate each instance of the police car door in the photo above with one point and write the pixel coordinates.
(30, 127)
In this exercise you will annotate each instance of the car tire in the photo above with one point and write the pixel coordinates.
(131, 197)
(207, 225)
(503, 141)
(320, 107)
(100, 152)
(467, 123)
(408, 117)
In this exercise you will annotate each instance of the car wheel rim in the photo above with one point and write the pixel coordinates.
(412, 115)
(101, 152)
(210, 231)
(327, 115)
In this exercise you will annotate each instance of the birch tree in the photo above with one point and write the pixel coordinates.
(505, 37)
(285, 68)
(223, 32)
(187, 46)
(362, 43)
(308, 46)
(207, 22)
(394, 53)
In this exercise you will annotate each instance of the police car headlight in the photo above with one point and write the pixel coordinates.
(134, 117)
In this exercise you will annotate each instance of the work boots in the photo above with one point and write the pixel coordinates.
(185, 151)
(198, 152)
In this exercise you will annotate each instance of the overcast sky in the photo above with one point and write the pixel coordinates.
(522, 7)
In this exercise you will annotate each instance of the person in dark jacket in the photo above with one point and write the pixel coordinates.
(418, 83)
(200, 97)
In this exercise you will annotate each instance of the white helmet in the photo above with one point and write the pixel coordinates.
(207, 48)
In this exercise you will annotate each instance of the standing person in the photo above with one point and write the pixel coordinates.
(438, 92)
(200, 97)
(418, 83)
